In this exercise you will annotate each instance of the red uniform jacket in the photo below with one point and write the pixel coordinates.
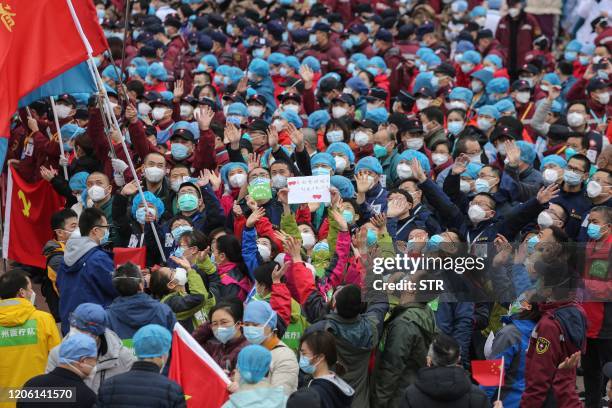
(528, 30)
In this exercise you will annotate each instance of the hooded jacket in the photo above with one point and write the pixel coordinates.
(116, 359)
(333, 391)
(441, 387)
(127, 314)
(26, 336)
(54, 252)
(85, 276)
(257, 396)
(405, 343)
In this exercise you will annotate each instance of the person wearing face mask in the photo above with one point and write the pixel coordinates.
(99, 191)
(385, 151)
(406, 214)
(469, 63)
(519, 160)
(469, 145)
(113, 357)
(77, 363)
(371, 195)
(156, 78)
(488, 116)
(599, 188)
(359, 40)
(432, 119)
(155, 168)
(441, 158)
(572, 196)
(362, 137)
(17, 307)
(344, 158)
(259, 79)
(459, 98)
(598, 103)
(85, 273)
(260, 327)
(343, 107)
(520, 91)
(323, 164)
(256, 105)
(478, 82)
(222, 336)
(424, 96)
(152, 348)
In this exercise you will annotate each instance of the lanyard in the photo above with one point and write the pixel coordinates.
(599, 121)
(471, 242)
(370, 206)
(526, 111)
(408, 222)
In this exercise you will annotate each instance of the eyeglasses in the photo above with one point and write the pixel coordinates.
(102, 226)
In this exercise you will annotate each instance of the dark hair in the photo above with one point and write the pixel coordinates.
(322, 342)
(11, 282)
(177, 218)
(582, 158)
(58, 219)
(584, 141)
(444, 351)
(460, 111)
(127, 279)
(605, 211)
(232, 306)
(230, 246)
(433, 113)
(348, 301)
(195, 239)
(490, 197)
(90, 218)
(84, 142)
(565, 67)
(461, 143)
(263, 273)
(342, 125)
(159, 284)
(137, 87)
(402, 192)
(285, 162)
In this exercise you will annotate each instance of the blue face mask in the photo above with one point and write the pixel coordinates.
(67, 147)
(225, 334)
(571, 178)
(455, 127)
(347, 44)
(584, 60)
(594, 231)
(321, 246)
(434, 242)
(234, 120)
(482, 186)
(569, 152)
(187, 202)
(141, 213)
(229, 30)
(254, 334)
(531, 243)
(570, 56)
(435, 82)
(305, 365)
(193, 49)
(372, 237)
(258, 53)
(282, 71)
(321, 171)
(355, 40)
(246, 43)
(372, 71)
(348, 216)
(312, 38)
(179, 151)
(180, 230)
(411, 245)
(179, 252)
(104, 239)
(351, 68)
(380, 151)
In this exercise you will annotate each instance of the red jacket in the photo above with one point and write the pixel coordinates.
(173, 51)
(597, 287)
(332, 57)
(550, 345)
(527, 30)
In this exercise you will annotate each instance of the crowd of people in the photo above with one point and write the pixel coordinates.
(448, 129)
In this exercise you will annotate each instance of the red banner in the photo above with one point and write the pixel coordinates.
(136, 256)
(27, 219)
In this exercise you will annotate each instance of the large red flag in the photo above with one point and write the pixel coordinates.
(38, 41)
(488, 372)
(27, 219)
(204, 382)
(137, 256)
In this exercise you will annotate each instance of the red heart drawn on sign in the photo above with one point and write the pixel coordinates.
(317, 196)
(291, 183)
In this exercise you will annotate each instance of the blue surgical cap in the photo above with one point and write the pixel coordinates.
(238, 108)
(260, 312)
(225, 170)
(378, 62)
(276, 58)
(323, 158)
(489, 110)
(460, 93)
(210, 61)
(552, 78)
(253, 363)
(472, 170)
(423, 80)
(528, 153)
(473, 57)
(139, 62)
(505, 105)
(588, 49)
(157, 71)
(556, 107)
(483, 76)
(357, 85)
(378, 115)
(318, 119)
(357, 57)
(235, 74)
(259, 67)
(76, 347)
(293, 62)
(495, 60)
(478, 11)
(344, 185)
(573, 45)
(167, 95)
(459, 6)
(151, 199)
(152, 341)
(463, 46)
(554, 159)
(292, 117)
(498, 85)
(111, 72)
(432, 60)
(89, 317)
(423, 51)
(190, 126)
(369, 163)
(78, 182)
(341, 147)
(71, 130)
(410, 154)
(312, 63)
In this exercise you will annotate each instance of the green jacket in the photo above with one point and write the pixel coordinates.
(403, 349)
(184, 304)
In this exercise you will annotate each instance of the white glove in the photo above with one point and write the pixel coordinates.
(119, 165)
(119, 179)
(63, 161)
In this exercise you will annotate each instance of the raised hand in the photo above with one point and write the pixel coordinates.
(242, 85)
(47, 173)
(130, 188)
(395, 207)
(254, 161)
(297, 137)
(204, 117)
(460, 164)
(513, 153)
(131, 114)
(255, 216)
(283, 196)
(570, 362)
(182, 262)
(273, 138)
(237, 209)
(215, 180)
(251, 203)
(380, 222)
(306, 73)
(32, 124)
(548, 193)
(293, 247)
(279, 272)
(339, 218)
(232, 136)
(204, 178)
(553, 92)
(179, 90)
(363, 184)
(417, 170)
(504, 250)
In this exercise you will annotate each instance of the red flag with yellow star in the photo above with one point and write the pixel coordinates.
(488, 372)
(27, 219)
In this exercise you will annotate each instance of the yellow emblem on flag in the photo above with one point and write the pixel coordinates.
(26, 204)
(7, 17)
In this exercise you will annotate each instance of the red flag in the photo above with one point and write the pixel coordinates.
(488, 372)
(38, 41)
(137, 256)
(204, 382)
(27, 219)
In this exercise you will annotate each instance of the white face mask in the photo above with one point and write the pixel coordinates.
(523, 97)
(514, 12)
(475, 158)
(464, 186)
(338, 112)
(264, 252)
(361, 138)
(96, 193)
(439, 158)
(340, 164)
(154, 174)
(603, 98)
(255, 111)
(186, 111)
(180, 276)
(545, 220)
(33, 298)
(238, 180)
(278, 125)
(476, 213)
(334, 136)
(501, 149)
(422, 103)
(550, 176)
(575, 119)
(279, 181)
(158, 113)
(594, 189)
(415, 143)
(404, 171)
(143, 109)
(308, 240)
(62, 111)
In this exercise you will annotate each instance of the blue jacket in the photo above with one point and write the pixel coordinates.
(511, 342)
(266, 88)
(85, 276)
(250, 253)
(127, 314)
(456, 319)
(577, 205)
(420, 217)
(375, 202)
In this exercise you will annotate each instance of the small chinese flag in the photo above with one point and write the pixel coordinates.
(488, 372)
(137, 256)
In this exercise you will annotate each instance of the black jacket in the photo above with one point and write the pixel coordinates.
(142, 386)
(61, 378)
(442, 387)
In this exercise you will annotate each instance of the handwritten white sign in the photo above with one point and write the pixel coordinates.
(310, 189)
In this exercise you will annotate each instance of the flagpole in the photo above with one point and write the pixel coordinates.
(106, 101)
(125, 37)
(501, 379)
(60, 141)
